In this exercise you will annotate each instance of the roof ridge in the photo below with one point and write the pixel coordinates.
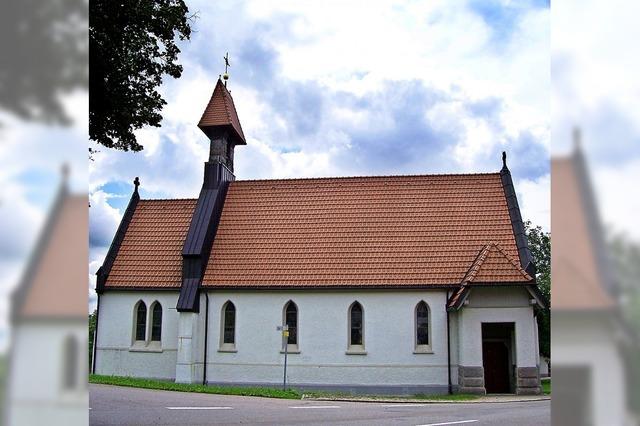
(367, 177)
(168, 199)
(476, 264)
(225, 92)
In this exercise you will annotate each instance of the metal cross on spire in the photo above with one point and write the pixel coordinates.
(226, 62)
(226, 69)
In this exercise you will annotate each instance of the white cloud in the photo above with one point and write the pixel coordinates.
(103, 219)
(534, 200)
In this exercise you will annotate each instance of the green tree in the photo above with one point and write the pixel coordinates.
(132, 45)
(92, 331)
(540, 245)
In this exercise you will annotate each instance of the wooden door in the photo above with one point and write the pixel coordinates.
(495, 360)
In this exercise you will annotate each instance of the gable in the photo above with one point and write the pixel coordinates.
(54, 285)
(150, 254)
(577, 271)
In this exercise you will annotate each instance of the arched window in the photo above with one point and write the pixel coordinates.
(70, 359)
(422, 326)
(356, 326)
(156, 322)
(291, 320)
(228, 324)
(141, 321)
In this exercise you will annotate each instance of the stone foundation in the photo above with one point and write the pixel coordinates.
(471, 380)
(528, 381)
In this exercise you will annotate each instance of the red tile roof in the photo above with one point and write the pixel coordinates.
(221, 112)
(54, 285)
(493, 264)
(151, 253)
(363, 231)
(576, 273)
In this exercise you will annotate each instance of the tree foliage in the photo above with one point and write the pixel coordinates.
(92, 330)
(44, 56)
(540, 245)
(132, 45)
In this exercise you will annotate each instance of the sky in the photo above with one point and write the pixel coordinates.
(322, 90)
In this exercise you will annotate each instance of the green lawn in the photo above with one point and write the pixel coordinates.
(181, 387)
(546, 387)
(3, 383)
(245, 391)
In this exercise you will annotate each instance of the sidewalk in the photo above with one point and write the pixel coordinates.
(392, 400)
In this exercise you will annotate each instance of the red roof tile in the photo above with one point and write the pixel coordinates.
(151, 252)
(493, 264)
(362, 231)
(221, 111)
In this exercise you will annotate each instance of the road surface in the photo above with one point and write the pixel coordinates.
(113, 405)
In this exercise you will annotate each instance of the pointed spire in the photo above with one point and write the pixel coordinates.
(220, 115)
(504, 159)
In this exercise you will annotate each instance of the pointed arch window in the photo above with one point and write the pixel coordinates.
(422, 327)
(356, 329)
(228, 328)
(229, 324)
(141, 321)
(291, 320)
(156, 322)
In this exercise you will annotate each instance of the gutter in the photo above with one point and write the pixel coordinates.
(448, 348)
(206, 337)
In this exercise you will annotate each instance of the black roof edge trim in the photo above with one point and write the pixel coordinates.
(104, 270)
(524, 253)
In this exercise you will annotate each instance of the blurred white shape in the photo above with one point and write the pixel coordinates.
(48, 359)
(587, 333)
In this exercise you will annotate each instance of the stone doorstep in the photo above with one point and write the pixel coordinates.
(482, 399)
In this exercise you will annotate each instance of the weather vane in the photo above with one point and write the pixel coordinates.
(226, 67)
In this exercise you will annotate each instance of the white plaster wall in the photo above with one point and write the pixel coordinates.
(322, 339)
(114, 355)
(503, 304)
(190, 357)
(588, 339)
(35, 393)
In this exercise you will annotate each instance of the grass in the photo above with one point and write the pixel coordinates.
(546, 387)
(247, 391)
(3, 381)
(182, 387)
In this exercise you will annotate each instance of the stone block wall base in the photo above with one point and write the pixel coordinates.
(471, 380)
(528, 381)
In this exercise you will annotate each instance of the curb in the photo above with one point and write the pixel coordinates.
(481, 400)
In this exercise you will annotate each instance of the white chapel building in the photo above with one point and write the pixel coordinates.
(388, 284)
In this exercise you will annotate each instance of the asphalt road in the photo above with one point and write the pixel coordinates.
(112, 405)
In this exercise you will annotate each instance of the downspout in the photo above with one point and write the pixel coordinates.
(206, 335)
(448, 347)
(95, 337)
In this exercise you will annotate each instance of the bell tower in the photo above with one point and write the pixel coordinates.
(221, 125)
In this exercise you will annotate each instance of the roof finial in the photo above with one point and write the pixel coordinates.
(64, 171)
(136, 184)
(577, 138)
(504, 159)
(226, 70)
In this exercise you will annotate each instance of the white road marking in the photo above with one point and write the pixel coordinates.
(317, 406)
(199, 408)
(450, 423)
(405, 405)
